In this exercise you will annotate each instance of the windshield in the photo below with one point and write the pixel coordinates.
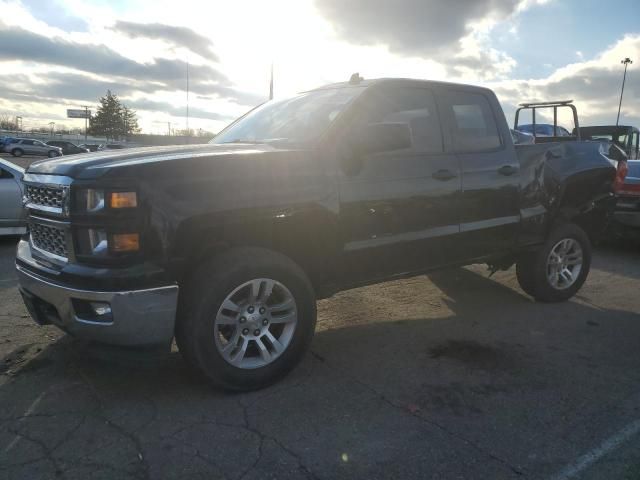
(297, 119)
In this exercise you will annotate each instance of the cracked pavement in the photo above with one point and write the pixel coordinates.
(455, 375)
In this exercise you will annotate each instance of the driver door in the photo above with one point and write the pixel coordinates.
(398, 208)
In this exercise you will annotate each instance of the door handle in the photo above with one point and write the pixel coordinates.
(507, 170)
(443, 175)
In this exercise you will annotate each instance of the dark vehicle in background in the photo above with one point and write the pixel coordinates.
(113, 146)
(624, 136)
(227, 246)
(92, 147)
(4, 140)
(28, 146)
(622, 141)
(544, 130)
(68, 148)
(521, 138)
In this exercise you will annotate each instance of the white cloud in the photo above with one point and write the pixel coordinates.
(594, 85)
(311, 42)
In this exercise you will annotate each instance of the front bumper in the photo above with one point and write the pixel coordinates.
(138, 317)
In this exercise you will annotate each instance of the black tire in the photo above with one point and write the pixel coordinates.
(53, 153)
(17, 152)
(201, 297)
(531, 268)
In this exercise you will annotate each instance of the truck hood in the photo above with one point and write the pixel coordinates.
(97, 164)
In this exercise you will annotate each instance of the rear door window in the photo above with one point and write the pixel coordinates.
(471, 121)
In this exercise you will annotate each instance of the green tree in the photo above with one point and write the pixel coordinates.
(130, 121)
(113, 119)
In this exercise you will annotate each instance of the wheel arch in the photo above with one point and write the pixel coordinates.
(586, 200)
(309, 241)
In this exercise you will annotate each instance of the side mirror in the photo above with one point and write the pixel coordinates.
(384, 137)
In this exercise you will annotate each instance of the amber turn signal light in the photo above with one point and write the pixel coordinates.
(123, 200)
(125, 242)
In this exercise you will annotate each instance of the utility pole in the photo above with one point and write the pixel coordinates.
(86, 119)
(19, 123)
(169, 128)
(271, 84)
(188, 136)
(626, 63)
(51, 128)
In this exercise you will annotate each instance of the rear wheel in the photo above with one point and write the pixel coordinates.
(246, 318)
(556, 271)
(17, 152)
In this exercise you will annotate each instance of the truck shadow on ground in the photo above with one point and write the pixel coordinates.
(489, 362)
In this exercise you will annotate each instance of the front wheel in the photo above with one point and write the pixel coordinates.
(17, 152)
(246, 318)
(53, 153)
(556, 272)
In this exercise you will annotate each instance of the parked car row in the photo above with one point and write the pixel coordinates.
(98, 147)
(28, 146)
(19, 147)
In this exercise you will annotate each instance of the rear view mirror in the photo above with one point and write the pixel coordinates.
(384, 137)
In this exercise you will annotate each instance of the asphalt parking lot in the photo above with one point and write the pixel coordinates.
(455, 375)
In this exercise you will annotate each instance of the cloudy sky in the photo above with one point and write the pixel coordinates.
(59, 54)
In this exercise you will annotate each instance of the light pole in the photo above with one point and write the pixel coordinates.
(86, 120)
(52, 126)
(626, 63)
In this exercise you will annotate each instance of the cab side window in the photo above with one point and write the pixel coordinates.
(471, 122)
(414, 106)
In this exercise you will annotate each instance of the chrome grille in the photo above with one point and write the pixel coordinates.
(46, 196)
(50, 239)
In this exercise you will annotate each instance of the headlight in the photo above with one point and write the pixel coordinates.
(90, 200)
(96, 242)
(123, 200)
(125, 242)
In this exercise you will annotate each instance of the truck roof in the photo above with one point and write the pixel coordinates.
(391, 80)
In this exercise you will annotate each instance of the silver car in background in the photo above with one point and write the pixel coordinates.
(29, 146)
(13, 218)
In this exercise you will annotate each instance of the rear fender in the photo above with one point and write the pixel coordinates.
(564, 183)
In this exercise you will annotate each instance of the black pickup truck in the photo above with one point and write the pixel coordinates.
(227, 246)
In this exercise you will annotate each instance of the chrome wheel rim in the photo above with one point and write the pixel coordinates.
(564, 263)
(255, 323)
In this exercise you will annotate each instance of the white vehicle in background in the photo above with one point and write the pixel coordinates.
(13, 220)
(28, 146)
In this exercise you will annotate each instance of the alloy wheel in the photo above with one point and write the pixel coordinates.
(255, 323)
(564, 263)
